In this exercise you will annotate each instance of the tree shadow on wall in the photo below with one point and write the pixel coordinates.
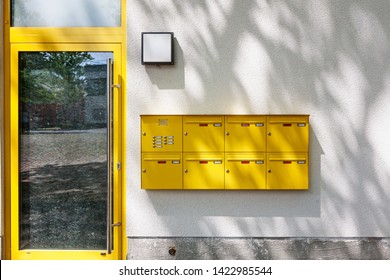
(329, 57)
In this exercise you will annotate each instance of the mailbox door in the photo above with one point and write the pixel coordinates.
(245, 171)
(203, 171)
(245, 133)
(288, 171)
(161, 171)
(288, 134)
(161, 133)
(203, 134)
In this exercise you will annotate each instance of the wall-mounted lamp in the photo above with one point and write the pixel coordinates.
(157, 48)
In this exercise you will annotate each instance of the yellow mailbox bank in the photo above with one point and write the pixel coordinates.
(229, 152)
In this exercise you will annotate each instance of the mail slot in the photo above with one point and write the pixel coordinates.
(245, 133)
(161, 171)
(161, 133)
(203, 171)
(245, 171)
(203, 134)
(288, 171)
(288, 133)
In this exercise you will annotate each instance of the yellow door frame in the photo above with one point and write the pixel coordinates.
(61, 39)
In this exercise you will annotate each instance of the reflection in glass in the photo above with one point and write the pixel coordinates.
(63, 150)
(66, 13)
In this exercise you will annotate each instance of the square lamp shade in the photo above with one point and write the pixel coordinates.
(157, 48)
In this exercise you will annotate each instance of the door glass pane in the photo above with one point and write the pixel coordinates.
(63, 150)
(66, 13)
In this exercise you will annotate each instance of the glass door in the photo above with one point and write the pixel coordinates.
(64, 187)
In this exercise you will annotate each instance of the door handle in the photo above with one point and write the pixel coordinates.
(116, 224)
(109, 153)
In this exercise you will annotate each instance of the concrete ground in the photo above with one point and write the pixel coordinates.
(258, 248)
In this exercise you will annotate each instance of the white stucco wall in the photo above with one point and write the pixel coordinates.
(326, 58)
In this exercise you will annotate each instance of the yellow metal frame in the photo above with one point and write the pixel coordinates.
(19, 39)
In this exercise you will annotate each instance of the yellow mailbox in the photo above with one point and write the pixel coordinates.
(162, 171)
(245, 171)
(203, 171)
(203, 133)
(288, 133)
(245, 133)
(161, 133)
(288, 171)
